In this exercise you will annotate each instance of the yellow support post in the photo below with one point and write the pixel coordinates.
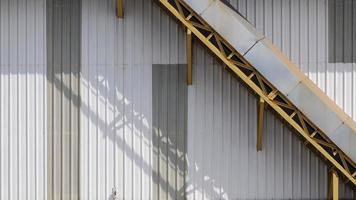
(261, 111)
(189, 58)
(120, 8)
(333, 186)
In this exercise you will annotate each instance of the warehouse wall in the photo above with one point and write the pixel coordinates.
(63, 58)
(341, 29)
(125, 136)
(300, 29)
(126, 140)
(221, 145)
(222, 156)
(23, 99)
(134, 103)
(285, 169)
(169, 117)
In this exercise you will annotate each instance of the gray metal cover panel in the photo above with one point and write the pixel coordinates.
(233, 27)
(276, 67)
(199, 5)
(345, 138)
(312, 106)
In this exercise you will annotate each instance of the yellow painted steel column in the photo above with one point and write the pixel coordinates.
(120, 8)
(333, 186)
(261, 111)
(189, 58)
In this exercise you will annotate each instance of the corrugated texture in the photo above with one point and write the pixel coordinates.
(63, 51)
(301, 29)
(223, 115)
(292, 25)
(342, 27)
(221, 153)
(22, 99)
(119, 108)
(118, 147)
(169, 110)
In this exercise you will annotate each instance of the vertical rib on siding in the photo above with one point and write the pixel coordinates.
(22, 99)
(119, 148)
(63, 50)
(168, 117)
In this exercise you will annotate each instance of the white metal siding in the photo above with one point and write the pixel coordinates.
(23, 99)
(342, 26)
(118, 147)
(221, 145)
(63, 58)
(285, 168)
(169, 110)
(300, 28)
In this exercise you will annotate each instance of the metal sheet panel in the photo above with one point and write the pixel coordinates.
(233, 27)
(199, 5)
(273, 65)
(63, 64)
(23, 101)
(345, 138)
(315, 108)
(132, 135)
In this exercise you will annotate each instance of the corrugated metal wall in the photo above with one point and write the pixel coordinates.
(23, 99)
(126, 140)
(300, 28)
(169, 110)
(63, 58)
(117, 116)
(226, 131)
(342, 27)
(118, 147)
(222, 156)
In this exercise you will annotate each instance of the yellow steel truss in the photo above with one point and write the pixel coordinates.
(268, 94)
